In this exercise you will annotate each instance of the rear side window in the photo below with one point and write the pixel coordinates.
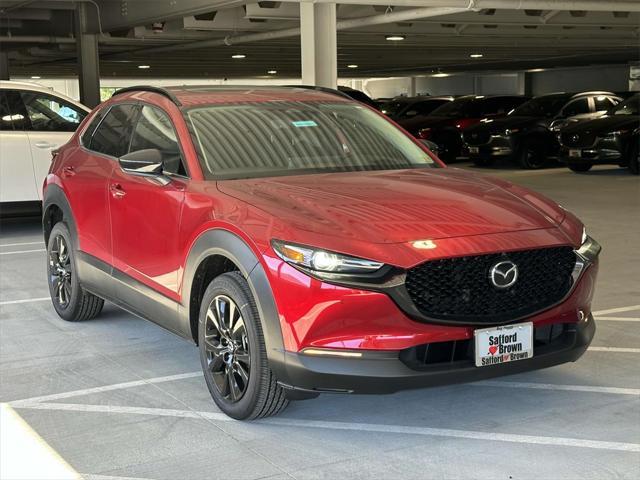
(51, 114)
(114, 132)
(602, 102)
(155, 130)
(13, 115)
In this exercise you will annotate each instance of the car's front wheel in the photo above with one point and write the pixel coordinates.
(532, 155)
(580, 167)
(233, 352)
(70, 301)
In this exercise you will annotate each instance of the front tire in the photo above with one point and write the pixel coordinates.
(70, 301)
(580, 167)
(532, 156)
(233, 352)
(634, 158)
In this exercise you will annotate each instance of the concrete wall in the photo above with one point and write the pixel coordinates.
(612, 78)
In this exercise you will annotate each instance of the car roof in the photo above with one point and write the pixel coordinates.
(200, 95)
(35, 87)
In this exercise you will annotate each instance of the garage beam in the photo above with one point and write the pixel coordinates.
(88, 60)
(319, 44)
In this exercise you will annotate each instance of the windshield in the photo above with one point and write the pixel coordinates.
(460, 106)
(631, 106)
(546, 106)
(292, 138)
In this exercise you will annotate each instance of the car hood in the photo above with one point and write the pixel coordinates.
(499, 125)
(397, 206)
(604, 124)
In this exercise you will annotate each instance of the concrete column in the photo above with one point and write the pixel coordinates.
(318, 40)
(88, 59)
(4, 66)
(413, 86)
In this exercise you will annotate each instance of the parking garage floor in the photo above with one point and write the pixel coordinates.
(119, 398)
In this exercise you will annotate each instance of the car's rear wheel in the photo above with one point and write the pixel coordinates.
(70, 301)
(580, 167)
(634, 158)
(532, 155)
(233, 352)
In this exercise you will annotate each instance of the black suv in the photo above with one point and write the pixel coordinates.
(612, 139)
(404, 108)
(528, 134)
(445, 124)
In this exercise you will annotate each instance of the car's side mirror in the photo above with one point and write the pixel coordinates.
(145, 162)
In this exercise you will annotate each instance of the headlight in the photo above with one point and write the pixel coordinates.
(590, 249)
(321, 260)
(509, 131)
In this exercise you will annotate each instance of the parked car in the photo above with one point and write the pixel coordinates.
(445, 124)
(346, 91)
(405, 108)
(612, 139)
(34, 121)
(527, 134)
(307, 245)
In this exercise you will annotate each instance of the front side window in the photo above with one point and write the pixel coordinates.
(292, 138)
(576, 107)
(154, 130)
(544, 106)
(114, 132)
(13, 115)
(51, 114)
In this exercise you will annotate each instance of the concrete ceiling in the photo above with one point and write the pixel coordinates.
(39, 38)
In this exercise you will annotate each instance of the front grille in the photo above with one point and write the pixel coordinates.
(459, 289)
(476, 137)
(461, 352)
(578, 139)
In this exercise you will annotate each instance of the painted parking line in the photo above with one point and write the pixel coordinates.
(25, 455)
(346, 426)
(630, 308)
(91, 476)
(106, 388)
(618, 319)
(614, 349)
(22, 251)
(21, 244)
(25, 300)
(553, 386)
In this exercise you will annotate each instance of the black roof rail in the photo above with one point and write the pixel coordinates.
(146, 88)
(334, 91)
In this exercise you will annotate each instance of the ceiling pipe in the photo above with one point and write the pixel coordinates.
(392, 17)
(592, 5)
(35, 39)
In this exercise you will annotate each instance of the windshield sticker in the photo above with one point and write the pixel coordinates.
(304, 123)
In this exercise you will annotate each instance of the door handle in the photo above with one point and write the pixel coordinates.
(44, 145)
(117, 190)
(68, 172)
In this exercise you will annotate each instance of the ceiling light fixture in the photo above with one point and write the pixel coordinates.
(239, 56)
(476, 55)
(395, 38)
(272, 72)
(353, 65)
(35, 77)
(441, 75)
(144, 67)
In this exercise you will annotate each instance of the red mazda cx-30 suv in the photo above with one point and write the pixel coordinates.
(308, 245)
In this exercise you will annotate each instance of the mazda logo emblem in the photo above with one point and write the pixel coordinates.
(503, 274)
(575, 138)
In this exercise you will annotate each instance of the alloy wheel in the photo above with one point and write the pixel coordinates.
(227, 348)
(60, 271)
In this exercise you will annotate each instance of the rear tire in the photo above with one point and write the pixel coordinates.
(233, 352)
(580, 167)
(70, 301)
(634, 158)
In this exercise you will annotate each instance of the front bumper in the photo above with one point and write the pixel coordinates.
(497, 146)
(385, 372)
(604, 151)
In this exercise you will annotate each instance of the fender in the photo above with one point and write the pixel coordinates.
(54, 195)
(223, 242)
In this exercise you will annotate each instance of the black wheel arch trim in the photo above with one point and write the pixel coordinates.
(55, 196)
(227, 244)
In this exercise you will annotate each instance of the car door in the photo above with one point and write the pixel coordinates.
(52, 122)
(16, 167)
(86, 178)
(145, 215)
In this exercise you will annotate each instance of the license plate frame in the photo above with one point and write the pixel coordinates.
(575, 153)
(498, 345)
(474, 150)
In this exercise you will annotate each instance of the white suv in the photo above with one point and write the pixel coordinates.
(33, 121)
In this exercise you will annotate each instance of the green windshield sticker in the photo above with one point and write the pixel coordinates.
(304, 123)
